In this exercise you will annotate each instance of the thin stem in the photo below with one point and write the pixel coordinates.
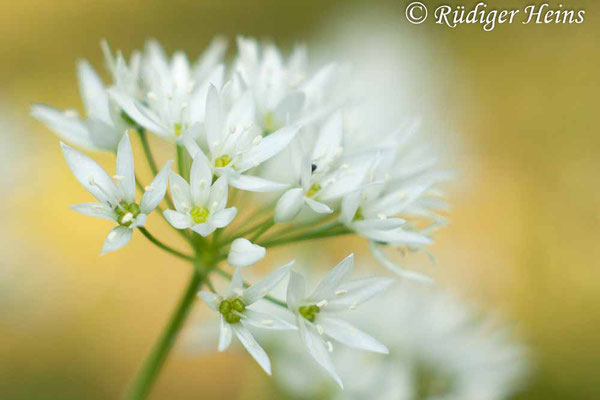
(164, 246)
(142, 384)
(183, 162)
(267, 297)
(245, 232)
(147, 152)
(305, 236)
(265, 227)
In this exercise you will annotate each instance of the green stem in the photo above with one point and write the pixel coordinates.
(164, 246)
(305, 236)
(143, 382)
(267, 297)
(147, 152)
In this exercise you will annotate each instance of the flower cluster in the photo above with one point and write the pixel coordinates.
(267, 138)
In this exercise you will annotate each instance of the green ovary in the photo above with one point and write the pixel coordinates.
(199, 214)
(230, 307)
(177, 128)
(270, 126)
(222, 161)
(313, 190)
(124, 209)
(309, 312)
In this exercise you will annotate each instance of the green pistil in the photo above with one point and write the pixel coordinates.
(199, 214)
(126, 208)
(177, 128)
(269, 126)
(313, 190)
(222, 161)
(358, 216)
(229, 307)
(309, 312)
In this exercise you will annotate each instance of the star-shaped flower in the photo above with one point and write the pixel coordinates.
(237, 314)
(116, 196)
(199, 205)
(317, 314)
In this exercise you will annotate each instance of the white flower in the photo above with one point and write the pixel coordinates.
(323, 173)
(235, 146)
(103, 127)
(237, 314)
(199, 205)
(316, 314)
(284, 91)
(116, 198)
(244, 253)
(126, 76)
(175, 97)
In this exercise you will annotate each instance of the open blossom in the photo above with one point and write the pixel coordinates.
(317, 315)
(199, 205)
(175, 91)
(284, 91)
(116, 195)
(103, 126)
(237, 314)
(234, 144)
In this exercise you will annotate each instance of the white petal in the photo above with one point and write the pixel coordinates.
(125, 169)
(218, 195)
(289, 108)
(156, 190)
(354, 293)
(330, 138)
(289, 205)
(244, 253)
(93, 93)
(90, 175)
(253, 347)
(222, 218)
(268, 147)
(347, 334)
(225, 335)
(66, 127)
(261, 288)
(296, 291)
(200, 179)
(378, 224)
(117, 238)
(350, 204)
(316, 348)
(266, 321)
(317, 206)
(180, 191)
(329, 285)
(380, 256)
(98, 210)
(178, 220)
(129, 107)
(204, 229)
(213, 119)
(395, 236)
(237, 283)
(213, 300)
(255, 184)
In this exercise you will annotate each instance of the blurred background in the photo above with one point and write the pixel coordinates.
(515, 111)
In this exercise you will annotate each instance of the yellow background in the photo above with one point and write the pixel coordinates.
(516, 107)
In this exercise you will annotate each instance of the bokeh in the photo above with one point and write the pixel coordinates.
(513, 112)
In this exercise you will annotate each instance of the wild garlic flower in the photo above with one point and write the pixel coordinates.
(116, 196)
(175, 91)
(199, 205)
(317, 314)
(237, 315)
(284, 91)
(244, 253)
(103, 126)
(234, 144)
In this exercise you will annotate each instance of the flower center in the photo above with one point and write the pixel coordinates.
(270, 126)
(177, 128)
(313, 190)
(199, 214)
(230, 307)
(222, 161)
(126, 212)
(309, 312)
